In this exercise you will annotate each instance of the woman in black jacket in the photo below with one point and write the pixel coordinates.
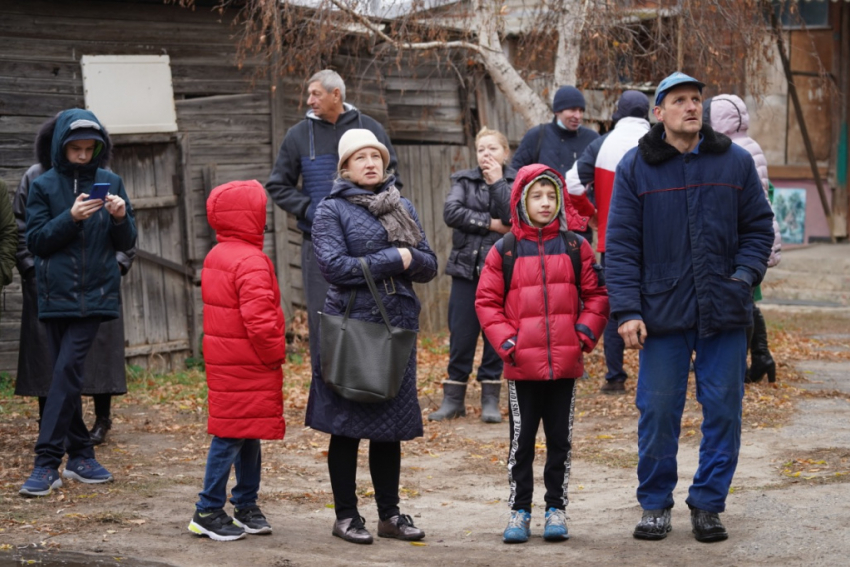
(478, 209)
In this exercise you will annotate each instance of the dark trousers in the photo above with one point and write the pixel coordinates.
(614, 347)
(464, 330)
(62, 426)
(531, 401)
(384, 466)
(315, 291)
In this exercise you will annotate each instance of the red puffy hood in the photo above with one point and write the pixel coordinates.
(568, 217)
(237, 211)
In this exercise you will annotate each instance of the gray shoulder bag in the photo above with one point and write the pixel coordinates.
(363, 361)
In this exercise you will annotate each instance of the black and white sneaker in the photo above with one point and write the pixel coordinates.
(251, 520)
(215, 525)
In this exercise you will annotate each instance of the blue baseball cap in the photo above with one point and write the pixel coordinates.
(675, 80)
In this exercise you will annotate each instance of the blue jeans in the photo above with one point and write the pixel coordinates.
(245, 456)
(661, 389)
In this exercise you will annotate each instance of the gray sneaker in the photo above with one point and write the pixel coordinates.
(251, 520)
(654, 524)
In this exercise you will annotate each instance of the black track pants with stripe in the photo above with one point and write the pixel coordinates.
(531, 401)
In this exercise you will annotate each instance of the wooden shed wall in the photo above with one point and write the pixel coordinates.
(230, 126)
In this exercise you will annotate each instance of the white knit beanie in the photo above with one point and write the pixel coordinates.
(357, 139)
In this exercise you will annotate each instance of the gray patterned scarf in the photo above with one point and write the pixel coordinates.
(387, 207)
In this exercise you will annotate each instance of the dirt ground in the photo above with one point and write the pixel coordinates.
(789, 503)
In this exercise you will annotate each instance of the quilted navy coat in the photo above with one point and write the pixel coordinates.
(342, 232)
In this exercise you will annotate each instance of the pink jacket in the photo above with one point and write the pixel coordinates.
(728, 115)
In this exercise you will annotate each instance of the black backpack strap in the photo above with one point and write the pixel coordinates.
(508, 259)
(573, 244)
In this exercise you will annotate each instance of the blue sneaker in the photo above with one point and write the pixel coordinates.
(41, 482)
(519, 527)
(88, 471)
(556, 525)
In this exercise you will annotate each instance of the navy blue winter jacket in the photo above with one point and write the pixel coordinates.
(76, 270)
(310, 151)
(342, 233)
(688, 237)
(552, 145)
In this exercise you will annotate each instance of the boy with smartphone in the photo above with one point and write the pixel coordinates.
(74, 239)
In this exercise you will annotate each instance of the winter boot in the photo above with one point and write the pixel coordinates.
(98, 432)
(762, 361)
(454, 405)
(490, 401)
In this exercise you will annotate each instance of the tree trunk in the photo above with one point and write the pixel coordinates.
(523, 99)
(571, 18)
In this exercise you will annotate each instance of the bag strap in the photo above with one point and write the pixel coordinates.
(367, 273)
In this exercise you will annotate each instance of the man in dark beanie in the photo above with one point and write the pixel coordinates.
(560, 142)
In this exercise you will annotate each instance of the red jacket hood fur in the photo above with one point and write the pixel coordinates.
(568, 213)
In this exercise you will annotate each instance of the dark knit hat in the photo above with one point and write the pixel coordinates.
(568, 97)
(632, 103)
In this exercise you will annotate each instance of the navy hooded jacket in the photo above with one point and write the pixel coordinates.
(689, 236)
(310, 151)
(76, 270)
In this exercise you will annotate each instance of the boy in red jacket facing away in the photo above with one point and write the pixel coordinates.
(244, 347)
(554, 308)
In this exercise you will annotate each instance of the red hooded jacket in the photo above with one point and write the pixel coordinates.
(244, 344)
(541, 329)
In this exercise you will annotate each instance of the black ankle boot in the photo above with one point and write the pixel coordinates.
(98, 432)
(762, 361)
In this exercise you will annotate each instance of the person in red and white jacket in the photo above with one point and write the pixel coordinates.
(631, 124)
(540, 327)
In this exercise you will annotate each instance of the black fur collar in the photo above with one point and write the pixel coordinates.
(654, 150)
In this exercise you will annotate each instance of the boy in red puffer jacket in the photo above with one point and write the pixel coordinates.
(244, 347)
(555, 308)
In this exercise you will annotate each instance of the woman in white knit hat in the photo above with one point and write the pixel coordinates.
(365, 217)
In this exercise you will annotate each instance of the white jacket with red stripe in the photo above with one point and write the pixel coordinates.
(624, 137)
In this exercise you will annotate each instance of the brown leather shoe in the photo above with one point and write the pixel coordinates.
(353, 530)
(400, 527)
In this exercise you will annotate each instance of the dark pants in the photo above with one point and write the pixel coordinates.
(530, 402)
(384, 466)
(62, 426)
(464, 330)
(225, 454)
(315, 291)
(614, 347)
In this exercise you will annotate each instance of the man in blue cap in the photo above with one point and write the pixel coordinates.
(689, 235)
(560, 142)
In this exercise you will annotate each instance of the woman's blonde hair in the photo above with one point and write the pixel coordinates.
(503, 140)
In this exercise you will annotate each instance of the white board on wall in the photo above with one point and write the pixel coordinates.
(130, 94)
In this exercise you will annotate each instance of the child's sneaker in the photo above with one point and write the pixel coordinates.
(519, 527)
(41, 482)
(216, 525)
(556, 525)
(251, 520)
(88, 471)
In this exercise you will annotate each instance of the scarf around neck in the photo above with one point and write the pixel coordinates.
(387, 207)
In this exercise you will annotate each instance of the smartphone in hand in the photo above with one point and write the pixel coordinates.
(99, 191)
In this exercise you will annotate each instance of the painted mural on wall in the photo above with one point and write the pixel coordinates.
(789, 206)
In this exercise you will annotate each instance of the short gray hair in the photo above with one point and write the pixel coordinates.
(329, 80)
